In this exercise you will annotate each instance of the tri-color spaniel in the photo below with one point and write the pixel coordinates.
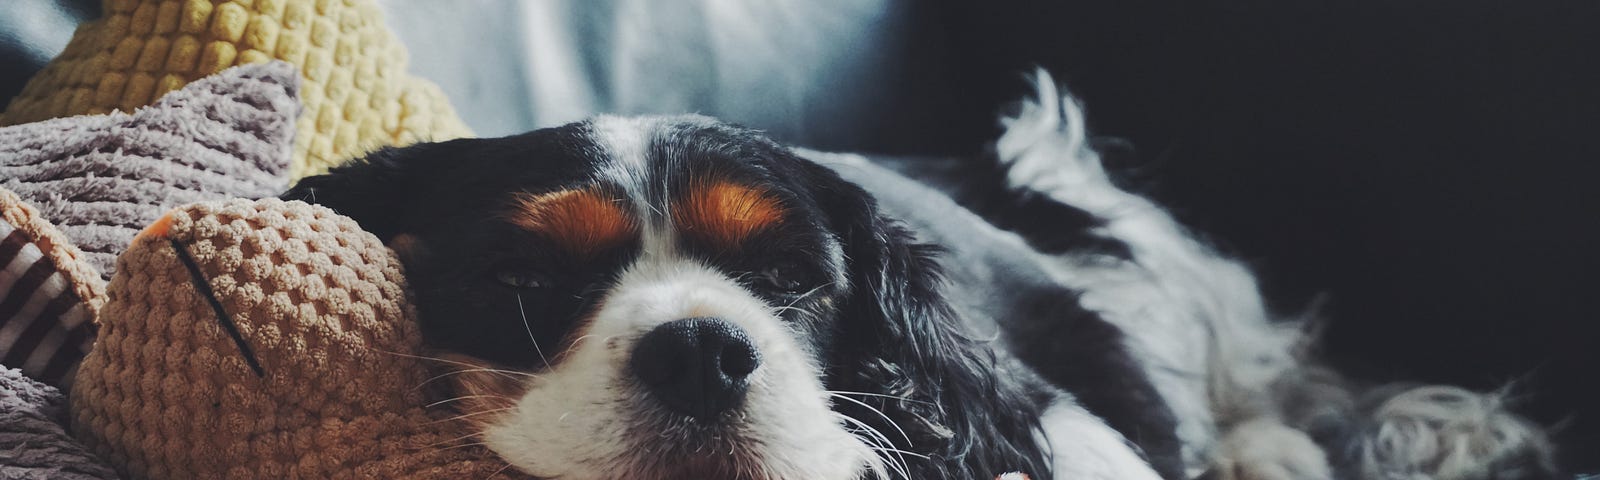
(677, 298)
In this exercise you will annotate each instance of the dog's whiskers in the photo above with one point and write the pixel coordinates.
(462, 397)
(876, 439)
(578, 340)
(798, 298)
(467, 416)
(447, 442)
(880, 413)
(466, 367)
(498, 472)
(883, 395)
(465, 445)
(881, 447)
(512, 374)
(424, 357)
(779, 310)
(529, 328)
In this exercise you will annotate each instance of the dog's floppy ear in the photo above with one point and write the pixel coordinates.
(902, 351)
(375, 190)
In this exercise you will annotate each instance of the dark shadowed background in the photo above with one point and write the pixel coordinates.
(1424, 166)
(1428, 166)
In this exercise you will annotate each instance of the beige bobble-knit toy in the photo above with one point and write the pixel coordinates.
(355, 89)
(265, 339)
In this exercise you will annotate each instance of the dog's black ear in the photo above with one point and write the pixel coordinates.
(901, 350)
(374, 190)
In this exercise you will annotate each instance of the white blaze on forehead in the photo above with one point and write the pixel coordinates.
(626, 143)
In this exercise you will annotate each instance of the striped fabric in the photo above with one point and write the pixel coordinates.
(44, 326)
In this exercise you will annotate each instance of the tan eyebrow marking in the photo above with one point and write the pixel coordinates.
(726, 213)
(584, 221)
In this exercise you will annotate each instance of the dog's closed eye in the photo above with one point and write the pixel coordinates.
(785, 277)
(521, 278)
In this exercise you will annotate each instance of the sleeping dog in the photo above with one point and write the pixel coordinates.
(678, 298)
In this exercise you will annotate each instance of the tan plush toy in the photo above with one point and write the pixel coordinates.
(265, 339)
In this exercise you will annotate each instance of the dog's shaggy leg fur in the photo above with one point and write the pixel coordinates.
(1445, 433)
(1246, 402)
(1265, 449)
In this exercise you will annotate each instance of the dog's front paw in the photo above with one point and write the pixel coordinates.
(1265, 449)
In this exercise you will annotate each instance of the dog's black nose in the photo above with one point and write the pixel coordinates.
(696, 366)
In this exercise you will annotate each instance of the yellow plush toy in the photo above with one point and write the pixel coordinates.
(355, 89)
(265, 339)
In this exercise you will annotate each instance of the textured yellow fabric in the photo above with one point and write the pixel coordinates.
(355, 89)
(310, 370)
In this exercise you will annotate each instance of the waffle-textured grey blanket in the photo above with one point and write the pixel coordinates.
(33, 441)
(102, 178)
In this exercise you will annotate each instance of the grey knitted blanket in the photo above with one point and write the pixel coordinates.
(102, 178)
(33, 441)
